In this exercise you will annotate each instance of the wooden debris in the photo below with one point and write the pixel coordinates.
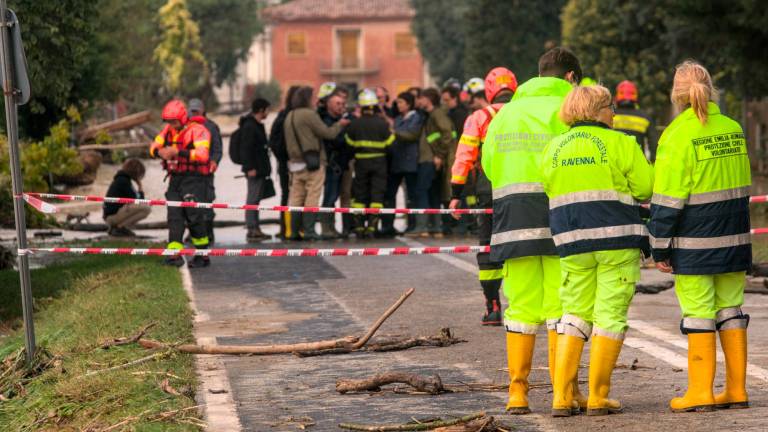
(430, 384)
(443, 339)
(418, 426)
(127, 340)
(347, 344)
(166, 387)
(129, 364)
(125, 122)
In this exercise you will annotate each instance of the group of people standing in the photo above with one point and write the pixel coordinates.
(570, 232)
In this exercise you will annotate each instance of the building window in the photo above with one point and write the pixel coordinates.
(405, 44)
(297, 44)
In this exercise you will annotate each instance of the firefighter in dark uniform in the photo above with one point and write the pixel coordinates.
(184, 146)
(369, 136)
(630, 119)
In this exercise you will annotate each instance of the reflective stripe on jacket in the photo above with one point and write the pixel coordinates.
(369, 136)
(193, 143)
(594, 178)
(470, 142)
(511, 158)
(700, 205)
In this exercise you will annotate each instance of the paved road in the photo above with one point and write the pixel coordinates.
(283, 300)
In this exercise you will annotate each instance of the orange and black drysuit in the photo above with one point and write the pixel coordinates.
(468, 181)
(188, 172)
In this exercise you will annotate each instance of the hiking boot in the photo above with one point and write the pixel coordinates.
(199, 261)
(492, 317)
(255, 235)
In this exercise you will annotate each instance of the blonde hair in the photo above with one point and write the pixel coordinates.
(693, 86)
(584, 103)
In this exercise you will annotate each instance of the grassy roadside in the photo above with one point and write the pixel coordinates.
(80, 304)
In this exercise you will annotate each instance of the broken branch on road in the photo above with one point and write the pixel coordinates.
(430, 384)
(477, 422)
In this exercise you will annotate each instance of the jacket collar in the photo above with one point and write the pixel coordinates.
(543, 86)
(590, 123)
(712, 109)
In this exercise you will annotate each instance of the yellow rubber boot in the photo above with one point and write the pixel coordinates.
(566, 372)
(701, 375)
(602, 360)
(580, 401)
(519, 358)
(734, 343)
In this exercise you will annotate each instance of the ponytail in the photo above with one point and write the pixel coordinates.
(693, 87)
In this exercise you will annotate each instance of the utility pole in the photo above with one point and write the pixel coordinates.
(12, 98)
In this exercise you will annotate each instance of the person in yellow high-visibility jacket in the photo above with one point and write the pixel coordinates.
(700, 230)
(595, 178)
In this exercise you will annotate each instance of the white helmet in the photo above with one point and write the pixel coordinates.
(367, 98)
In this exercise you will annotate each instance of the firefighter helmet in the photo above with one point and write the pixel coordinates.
(626, 91)
(498, 79)
(175, 110)
(326, 89)
(452, 82)
(474, 85)
(367, 98)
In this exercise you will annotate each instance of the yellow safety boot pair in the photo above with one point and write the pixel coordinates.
(567, 358)
(701, 375)
(519, 358)
(734, 343)
(580, 401)
(602, 360)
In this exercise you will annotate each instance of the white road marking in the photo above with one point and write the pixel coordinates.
(220, 409)
(676, 340)
(657, 351)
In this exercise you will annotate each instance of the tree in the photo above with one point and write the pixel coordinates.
(514, 35)
(223, 47)
(179, 52)
(59, 42)
(439, 29)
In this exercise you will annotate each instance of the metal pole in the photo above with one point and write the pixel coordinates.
(11, 125)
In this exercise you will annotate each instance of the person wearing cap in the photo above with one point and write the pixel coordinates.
(631, 120)
(370, 137)
(197, 111)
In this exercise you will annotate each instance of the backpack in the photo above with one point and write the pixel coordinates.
(234, 147)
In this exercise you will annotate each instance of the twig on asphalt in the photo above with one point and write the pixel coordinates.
(443, 339)
(412, 426)
(430, 384)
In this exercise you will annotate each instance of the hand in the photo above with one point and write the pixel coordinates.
(664, 266)
(438, 163)
(139, 188)
(214, 166)
(344, 122)
(168, 153)
(454, 204)
(251, 173)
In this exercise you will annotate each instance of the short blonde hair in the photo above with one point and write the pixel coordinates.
(584, 103)
(693, 86)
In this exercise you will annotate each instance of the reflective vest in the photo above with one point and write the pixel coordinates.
(193, 143)
(595, 178)
(369, 136)
(700, 205)
(511, 158)
(469, 147)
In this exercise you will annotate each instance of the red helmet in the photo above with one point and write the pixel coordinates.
(175, 110)
(498, 79)
(626, 91)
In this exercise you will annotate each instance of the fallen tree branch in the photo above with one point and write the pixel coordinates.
(129, 364)
(430, 384)
(347, 344)
(443, 339)
(129, 340)
(412, 426)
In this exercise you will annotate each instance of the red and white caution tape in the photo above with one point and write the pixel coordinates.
(39, 204)
(265, 252)
(193, 204)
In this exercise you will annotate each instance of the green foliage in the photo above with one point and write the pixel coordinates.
(514, 35)
(624, 40)
(50, 157)
(269, 91)
(439, 29)
(223, 47)
(179, 52)
(118, 297)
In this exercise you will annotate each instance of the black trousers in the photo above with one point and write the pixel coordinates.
(484, 231)
(188, 188)
(210, 214)
(369, 186)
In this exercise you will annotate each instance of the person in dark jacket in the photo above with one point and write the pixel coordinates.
(280, 151)
(256, 165)
(122, 217)
(197, 109)
(338, 155)
(404, 157)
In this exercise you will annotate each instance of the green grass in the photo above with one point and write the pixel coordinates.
(79, 304)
